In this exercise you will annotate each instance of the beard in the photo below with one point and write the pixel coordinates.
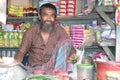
(47, 26)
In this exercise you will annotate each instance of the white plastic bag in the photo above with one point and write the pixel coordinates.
(12, 72)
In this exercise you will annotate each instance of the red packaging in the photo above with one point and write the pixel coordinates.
(71, 1)
(71, 10)
(54, 3)
(64, 6)
(71, 5)
(62, 10)
(71, 13)
(62, 14)
(63, 2)
(103, 67)
(61, 75)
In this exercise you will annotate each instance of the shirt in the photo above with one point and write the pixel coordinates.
(33, 44)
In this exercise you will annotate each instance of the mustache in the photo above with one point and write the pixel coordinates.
(47, 21)
(47, 25)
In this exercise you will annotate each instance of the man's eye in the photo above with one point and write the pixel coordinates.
(53, 15)
(44, 14)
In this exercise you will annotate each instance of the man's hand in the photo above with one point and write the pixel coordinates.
(73, 58)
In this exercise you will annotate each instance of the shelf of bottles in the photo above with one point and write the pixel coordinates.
(11, 39)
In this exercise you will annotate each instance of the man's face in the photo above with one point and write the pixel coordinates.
(47, 17)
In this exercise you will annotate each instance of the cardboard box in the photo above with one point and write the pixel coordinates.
(78, 7)
(75, 4)
(20, 2)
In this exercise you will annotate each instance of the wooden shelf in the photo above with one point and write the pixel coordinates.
(31, 17)
(107, 8)
(8, 48)
(79, 17)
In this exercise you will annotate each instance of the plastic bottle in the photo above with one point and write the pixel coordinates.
(1, 37)
(16, 40)
(11, 38)
(20, 36)
(6, 38)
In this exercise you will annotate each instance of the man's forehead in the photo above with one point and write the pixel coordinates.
(50, 9)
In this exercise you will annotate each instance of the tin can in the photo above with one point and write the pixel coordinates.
(87, 60)
(85, 72)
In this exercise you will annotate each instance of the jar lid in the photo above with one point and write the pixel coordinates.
(85, 66)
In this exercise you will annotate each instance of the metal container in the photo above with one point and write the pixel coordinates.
(85, 72)
(87, 60)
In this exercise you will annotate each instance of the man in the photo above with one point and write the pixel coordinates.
(48, 44)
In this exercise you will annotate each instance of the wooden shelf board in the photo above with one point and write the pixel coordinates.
(79, 17)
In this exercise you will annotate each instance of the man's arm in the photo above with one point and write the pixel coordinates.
(24, 47)
(19, 57)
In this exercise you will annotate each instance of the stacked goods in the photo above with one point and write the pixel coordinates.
(20, 2)
(63, 8)
(69, 7)
(15, 11)
(12, 33)
(25, 26)
(30, 11)
(11, 38)
(89, 37)
(17, 26)
(20, 11)
(117, 14)
(108, 2)
(67, 29)
(77, 35)
(54, 2)
(18, 8)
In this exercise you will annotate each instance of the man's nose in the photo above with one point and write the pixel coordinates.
(49, 18)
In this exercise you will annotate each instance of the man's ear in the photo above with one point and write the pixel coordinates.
(39, 16)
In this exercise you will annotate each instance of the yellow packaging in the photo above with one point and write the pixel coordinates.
(113, 75)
